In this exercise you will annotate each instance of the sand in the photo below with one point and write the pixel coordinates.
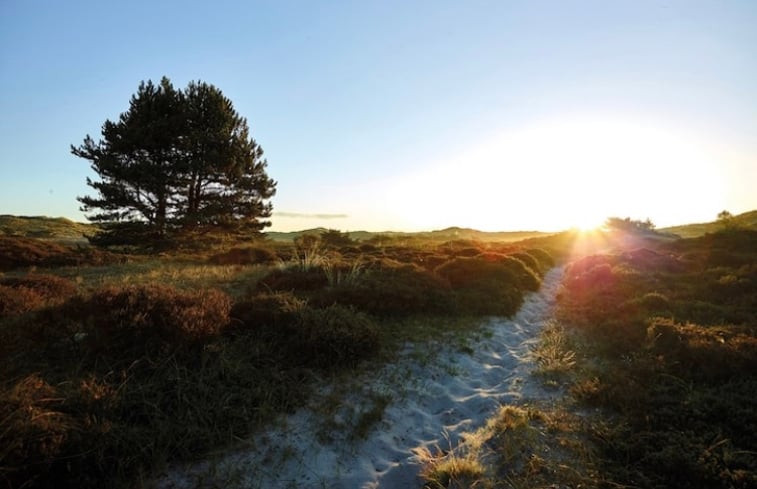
(430, 396)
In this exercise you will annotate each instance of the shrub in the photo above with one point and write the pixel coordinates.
(716, 353)
(466, 272)
(266, 312)
(34, 431)
(335, 336)
(543, 257)
(148, 318)
(333, 238)
(18, 252)
(392, 291)
(22, 294)
(23, 252)
(49, 286)
(482, 287)
(430, 262)
(655, 302)
(14, 301)
(529, 261)
(526, 277)
(294, 279)
(644, 259)
(244, 256)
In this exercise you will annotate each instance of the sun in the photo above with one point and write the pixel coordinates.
(562, 173)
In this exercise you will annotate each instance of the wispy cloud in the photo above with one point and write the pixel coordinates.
(303, 215)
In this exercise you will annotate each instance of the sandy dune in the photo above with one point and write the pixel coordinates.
(429, 397)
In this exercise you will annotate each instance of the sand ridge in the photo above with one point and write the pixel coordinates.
(428, 398)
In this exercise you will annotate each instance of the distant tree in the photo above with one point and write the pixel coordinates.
(629, 225)
(333, 238)
(176, 160)
(725, 219)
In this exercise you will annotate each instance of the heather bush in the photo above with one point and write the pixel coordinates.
(467, 272)
(529, 261)
(482, 286)
(654, 302)
(48, 286)
(294, 279)
(16, 252)
(265, 312)
(525, 276)
(431, 261)
(33, 431)
(680, 388)
(18, 300)
(23, 252)
(716, 353)
(543, 257)
(244, 256)
(331, 337)
(147, 318)
(31, 292)
(392, 291)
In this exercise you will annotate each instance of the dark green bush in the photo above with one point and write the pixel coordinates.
(543, 257)
(265, 312)
(332, 337)
(654, 302)
(467, 272)
(529, 261)
(482, 286)
(388, 291)
(526, 277)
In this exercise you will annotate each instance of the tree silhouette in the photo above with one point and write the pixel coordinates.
(726, 220)
(629, 225)
(176, 160)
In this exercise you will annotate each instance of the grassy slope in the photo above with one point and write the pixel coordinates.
(747, 220)
(53, 228)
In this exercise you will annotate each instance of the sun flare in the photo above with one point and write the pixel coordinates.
(571, 172)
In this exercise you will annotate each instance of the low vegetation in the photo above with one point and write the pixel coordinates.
(669, 355)
(113, 369)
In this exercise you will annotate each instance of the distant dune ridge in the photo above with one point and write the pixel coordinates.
(62, 229)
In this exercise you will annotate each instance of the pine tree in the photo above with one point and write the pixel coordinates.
(176, 160)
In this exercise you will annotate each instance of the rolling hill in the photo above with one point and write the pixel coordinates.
(747, 220)
(41, 227)
(448, 234)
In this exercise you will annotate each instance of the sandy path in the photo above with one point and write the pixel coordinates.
(430, 396)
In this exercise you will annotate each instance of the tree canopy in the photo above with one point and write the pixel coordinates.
(176, 160)
(629, 225)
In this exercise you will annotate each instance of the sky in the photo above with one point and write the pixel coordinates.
(410, 115)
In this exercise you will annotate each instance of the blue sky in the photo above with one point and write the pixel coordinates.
(410, 115)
